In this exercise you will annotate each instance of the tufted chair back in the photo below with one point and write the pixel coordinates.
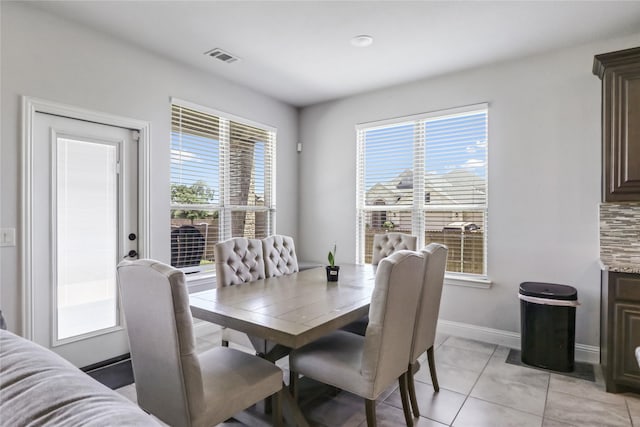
(388, 243)
(238, 260)
(279, 256)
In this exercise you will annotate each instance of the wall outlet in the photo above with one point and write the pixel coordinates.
(7, 236)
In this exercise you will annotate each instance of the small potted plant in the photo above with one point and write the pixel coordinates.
(332, 268)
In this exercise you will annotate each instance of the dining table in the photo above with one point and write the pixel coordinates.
(290, 310)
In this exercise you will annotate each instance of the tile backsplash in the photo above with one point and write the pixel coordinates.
(620, 235)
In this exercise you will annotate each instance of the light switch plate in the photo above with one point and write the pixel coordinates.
(7, 236)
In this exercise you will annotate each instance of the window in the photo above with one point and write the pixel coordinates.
(426, 175)
(222, 182)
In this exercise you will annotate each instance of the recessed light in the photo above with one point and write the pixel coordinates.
(362, 41)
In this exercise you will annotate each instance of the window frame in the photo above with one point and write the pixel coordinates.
(419, 207)
(224, 207)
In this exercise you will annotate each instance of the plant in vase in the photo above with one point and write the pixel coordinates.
(332, 268)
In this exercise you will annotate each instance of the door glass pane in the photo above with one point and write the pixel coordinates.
(87, 236)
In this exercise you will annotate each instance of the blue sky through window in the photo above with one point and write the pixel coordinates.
(458, 142)
(196, 158)
(388, 152)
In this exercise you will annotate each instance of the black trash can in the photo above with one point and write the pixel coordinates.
(548, 325)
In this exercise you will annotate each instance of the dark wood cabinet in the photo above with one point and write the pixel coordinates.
(620, 75)
(620, 331)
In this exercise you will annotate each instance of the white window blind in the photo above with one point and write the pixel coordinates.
(426, 175)
(222, 184)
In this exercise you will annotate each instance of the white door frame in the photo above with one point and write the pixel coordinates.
(31, 106)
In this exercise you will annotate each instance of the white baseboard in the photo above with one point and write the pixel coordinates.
(584, 353)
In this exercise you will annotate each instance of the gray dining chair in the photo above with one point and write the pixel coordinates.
(238, 260)
(388, 243)
(383, 246)
(368, 365)
(173, 382)
(424, 333)
(279, 255)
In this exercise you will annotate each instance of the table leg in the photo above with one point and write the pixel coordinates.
(292, 413)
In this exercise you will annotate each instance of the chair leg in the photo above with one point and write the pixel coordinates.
(370, 407)
(412, 392)
(276, 408)
(225, 343)
(405, 399)
(268, 405)
(432, 369)
(293, 385)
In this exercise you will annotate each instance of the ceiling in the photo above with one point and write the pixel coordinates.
(300, 52)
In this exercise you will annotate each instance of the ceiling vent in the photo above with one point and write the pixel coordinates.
(222, 55)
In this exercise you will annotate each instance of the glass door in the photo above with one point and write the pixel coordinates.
(85, 221)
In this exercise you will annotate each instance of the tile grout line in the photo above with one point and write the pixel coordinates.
(510, 407)
(501, 404)
(474, 384)
(546, 398)
(626, 403)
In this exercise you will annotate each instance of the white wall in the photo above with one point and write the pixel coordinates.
(544, 177)
(46, 57)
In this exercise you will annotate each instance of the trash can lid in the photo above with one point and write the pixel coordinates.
(549, 291)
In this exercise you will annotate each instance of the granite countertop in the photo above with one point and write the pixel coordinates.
(618, 267)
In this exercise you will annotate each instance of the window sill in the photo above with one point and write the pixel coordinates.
(201, 281)
(479, 282)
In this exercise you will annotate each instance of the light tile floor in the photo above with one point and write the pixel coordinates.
(477, 388)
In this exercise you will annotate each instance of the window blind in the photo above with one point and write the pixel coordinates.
(222, 172)
(427, 176)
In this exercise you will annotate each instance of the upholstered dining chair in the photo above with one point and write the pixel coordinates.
(279, 255)
(424, 333)
(383, 246)
(173, 382)
(367, 365)
(238, 260)
(388, 243)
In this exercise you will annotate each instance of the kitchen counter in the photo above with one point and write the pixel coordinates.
(619, 267)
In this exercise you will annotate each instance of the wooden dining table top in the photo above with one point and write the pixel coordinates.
(291, 310)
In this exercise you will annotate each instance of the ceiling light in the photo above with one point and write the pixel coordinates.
(362, 41)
